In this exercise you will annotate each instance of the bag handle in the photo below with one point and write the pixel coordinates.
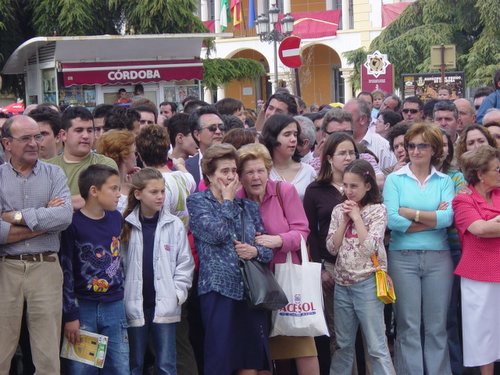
(278, 194)
(375, 261)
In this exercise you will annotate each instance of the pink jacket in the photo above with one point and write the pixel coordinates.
(289, 223)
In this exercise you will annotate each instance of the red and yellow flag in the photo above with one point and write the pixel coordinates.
(236, 13)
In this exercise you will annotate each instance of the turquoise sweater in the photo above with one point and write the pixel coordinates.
(401, 189)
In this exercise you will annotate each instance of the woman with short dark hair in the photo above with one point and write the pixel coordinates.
(280, 135)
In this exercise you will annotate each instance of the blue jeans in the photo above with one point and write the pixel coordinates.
(163, 336)
(105, 318)
(422, 280)
(354, 305)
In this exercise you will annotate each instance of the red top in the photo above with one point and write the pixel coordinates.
(480, 256)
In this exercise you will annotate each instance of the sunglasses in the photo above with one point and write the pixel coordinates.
(213, 128)
(418, 146)
(408, 110)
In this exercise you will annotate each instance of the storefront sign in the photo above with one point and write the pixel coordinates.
(122, 73)
(426, 85)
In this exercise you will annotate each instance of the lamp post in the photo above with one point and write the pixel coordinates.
(268, 32)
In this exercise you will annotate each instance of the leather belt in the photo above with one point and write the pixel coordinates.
(40, 257)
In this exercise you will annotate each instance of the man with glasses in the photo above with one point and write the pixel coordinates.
(412, 109)
(207, 129)
(446, 117)
(49, 122)
(35, 206)
(77, 134)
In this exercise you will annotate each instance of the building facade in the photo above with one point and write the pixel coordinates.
(325, 75)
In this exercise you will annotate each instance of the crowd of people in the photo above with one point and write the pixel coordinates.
(130, 222)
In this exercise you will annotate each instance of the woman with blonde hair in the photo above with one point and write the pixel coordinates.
(285, 222)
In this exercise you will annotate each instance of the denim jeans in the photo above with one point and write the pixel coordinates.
(354, 305)
(105, 318)
(163, 338)
(423, 281)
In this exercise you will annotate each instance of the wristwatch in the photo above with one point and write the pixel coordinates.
(18, 217)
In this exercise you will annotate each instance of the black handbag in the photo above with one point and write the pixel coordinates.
(262, 291)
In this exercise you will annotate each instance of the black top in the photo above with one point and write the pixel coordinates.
(148, 241)
(319, 201)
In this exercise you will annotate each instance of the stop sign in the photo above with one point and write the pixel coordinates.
(289, 52)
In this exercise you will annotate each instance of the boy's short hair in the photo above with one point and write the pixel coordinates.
(95, 175)
(71, 113)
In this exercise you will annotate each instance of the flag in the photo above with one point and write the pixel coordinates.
(225, 15)
(251, 14)
(236, 11)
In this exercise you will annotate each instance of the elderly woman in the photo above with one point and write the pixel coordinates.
(473, 137)
(285, 222)
(477, 218)
(235, 335)
(418, 200)
(280, 135)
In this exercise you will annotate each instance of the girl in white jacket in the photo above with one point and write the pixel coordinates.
(158, 271)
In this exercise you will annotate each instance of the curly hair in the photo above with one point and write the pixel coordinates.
(152, 145)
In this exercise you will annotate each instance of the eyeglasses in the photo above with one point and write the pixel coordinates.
(410, 110)
(344, 154)
(27, 138)
(418, 146)
(213, 128)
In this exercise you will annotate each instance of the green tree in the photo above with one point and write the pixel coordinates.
(158, 16)
(472, 25)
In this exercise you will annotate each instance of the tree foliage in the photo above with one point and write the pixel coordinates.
(218, 72)
(21, 20)
(472, 25)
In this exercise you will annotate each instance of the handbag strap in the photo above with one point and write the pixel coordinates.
(375, 261)
(278, 194)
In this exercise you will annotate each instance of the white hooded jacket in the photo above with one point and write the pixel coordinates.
(173, 267)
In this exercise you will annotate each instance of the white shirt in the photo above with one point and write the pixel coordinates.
(380, 147)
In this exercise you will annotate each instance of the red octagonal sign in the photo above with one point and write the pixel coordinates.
(289, 52)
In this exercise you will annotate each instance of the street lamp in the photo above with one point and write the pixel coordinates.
(268, 32)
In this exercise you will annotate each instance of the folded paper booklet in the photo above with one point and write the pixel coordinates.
(91, 350)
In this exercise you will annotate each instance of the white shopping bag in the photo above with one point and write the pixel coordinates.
(303, 316)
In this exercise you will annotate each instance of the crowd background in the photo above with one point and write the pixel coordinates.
(225, 182)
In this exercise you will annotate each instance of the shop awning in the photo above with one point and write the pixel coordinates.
(122, 73)
(109, 48)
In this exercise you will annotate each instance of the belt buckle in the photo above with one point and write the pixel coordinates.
(29, 257)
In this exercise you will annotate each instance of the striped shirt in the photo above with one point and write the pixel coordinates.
(30, 194)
